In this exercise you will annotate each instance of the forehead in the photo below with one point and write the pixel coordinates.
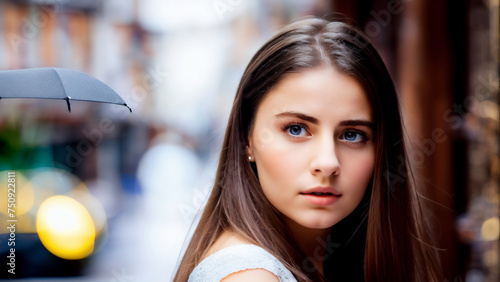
(321, 92)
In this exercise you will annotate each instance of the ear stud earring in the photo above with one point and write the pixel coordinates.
(250, 158)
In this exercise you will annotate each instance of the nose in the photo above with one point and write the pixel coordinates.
(325, 161)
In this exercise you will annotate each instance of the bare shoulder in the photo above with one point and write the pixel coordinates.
(226, 239)
(251, 275)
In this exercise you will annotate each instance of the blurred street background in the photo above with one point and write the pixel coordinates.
(132, 184)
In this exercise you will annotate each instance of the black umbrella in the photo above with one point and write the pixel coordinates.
(56, 83)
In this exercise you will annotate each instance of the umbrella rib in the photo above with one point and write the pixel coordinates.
(67, 102)
(62, 86)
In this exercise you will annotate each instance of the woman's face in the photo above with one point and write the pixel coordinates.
(312, 142)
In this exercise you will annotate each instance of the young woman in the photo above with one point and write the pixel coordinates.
(312, 146)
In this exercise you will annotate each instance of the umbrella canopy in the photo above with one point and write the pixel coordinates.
(56, 83)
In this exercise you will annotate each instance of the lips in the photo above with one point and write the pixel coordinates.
(321, 196)
(321, 191)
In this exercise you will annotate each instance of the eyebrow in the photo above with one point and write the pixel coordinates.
(305, 117)
(313, 120)
(357, 122)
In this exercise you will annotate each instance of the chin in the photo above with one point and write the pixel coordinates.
(324, 224)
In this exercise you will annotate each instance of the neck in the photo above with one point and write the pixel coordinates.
(312, 242)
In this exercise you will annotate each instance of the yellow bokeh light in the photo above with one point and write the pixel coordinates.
(65, 228)
(490, 229)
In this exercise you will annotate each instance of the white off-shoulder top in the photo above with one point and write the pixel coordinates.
(237, 258)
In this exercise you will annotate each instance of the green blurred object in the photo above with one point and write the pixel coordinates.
(16, 154)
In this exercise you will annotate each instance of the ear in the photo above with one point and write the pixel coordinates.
(248, 149)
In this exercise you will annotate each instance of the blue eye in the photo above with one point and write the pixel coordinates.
(353, 136)
(296, 130)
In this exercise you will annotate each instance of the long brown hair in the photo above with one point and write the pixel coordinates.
(397, 244)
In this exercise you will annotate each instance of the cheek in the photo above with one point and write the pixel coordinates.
(276, 165)
(358, 170)
(272, 165)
